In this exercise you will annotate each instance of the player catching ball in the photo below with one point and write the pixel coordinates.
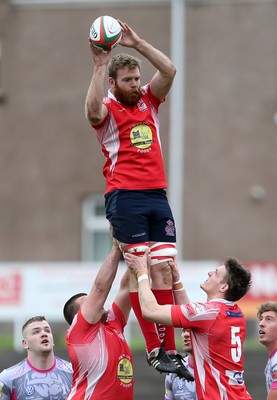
(126, 122)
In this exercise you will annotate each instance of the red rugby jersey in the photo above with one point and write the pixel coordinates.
(101, 359)
(217, 335)
(130, 141)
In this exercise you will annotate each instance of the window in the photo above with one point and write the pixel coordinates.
(96, 240)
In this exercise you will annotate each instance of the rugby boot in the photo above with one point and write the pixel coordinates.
(161, 361)
(182, 371)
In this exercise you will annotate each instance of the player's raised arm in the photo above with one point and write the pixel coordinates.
(150, 309)
(162, 81)
(122, 299)
(92, 308)
(95, 110)
(179, 292)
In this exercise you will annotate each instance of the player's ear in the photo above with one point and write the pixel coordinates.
(111, 82)
(224, 287)
(25, 344)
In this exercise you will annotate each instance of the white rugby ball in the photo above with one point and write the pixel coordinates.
(105, 32)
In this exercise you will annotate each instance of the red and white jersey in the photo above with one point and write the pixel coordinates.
(101, 359)
(271, 371)
(130, 141)
(218, 333)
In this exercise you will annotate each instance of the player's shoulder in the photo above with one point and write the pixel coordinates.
(196, 308)
(63, 364)
(145, 89)
(14, 370)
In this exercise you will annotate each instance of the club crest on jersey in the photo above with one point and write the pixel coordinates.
(141, 105)
(141, 136)
(180, 384)
(170, 229)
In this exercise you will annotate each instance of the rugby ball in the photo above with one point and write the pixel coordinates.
(105, 32)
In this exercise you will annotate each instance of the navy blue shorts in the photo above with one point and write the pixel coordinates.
(140, 216)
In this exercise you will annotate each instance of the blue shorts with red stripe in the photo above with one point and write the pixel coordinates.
(139, 216)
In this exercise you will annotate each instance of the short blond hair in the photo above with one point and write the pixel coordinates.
(122, 60)
(37, 318)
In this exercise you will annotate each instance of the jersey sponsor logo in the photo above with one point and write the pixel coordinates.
(125, 370)
(141, 136)
(235, 314)
(29, 390)
(235, 377)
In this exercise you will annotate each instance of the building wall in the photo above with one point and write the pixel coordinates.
(50, 159)
(231, 134)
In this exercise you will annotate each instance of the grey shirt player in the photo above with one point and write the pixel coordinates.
(24, 382)
(180, 389)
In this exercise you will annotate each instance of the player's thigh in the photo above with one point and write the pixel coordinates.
(126, 211)
(161, 222)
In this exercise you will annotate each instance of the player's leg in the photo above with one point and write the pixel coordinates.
(156, 355)
(162, 234)
(126, 211)
(162, 249)
(160, 272)
(148, 328)
(162, 277)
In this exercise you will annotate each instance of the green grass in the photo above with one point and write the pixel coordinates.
(253, 344)
(6, 342)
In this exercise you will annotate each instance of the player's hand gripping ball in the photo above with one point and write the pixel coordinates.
(105, 32)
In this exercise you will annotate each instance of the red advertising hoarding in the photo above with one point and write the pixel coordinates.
(264, 287)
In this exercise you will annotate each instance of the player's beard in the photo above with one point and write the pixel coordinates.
(129, 98)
